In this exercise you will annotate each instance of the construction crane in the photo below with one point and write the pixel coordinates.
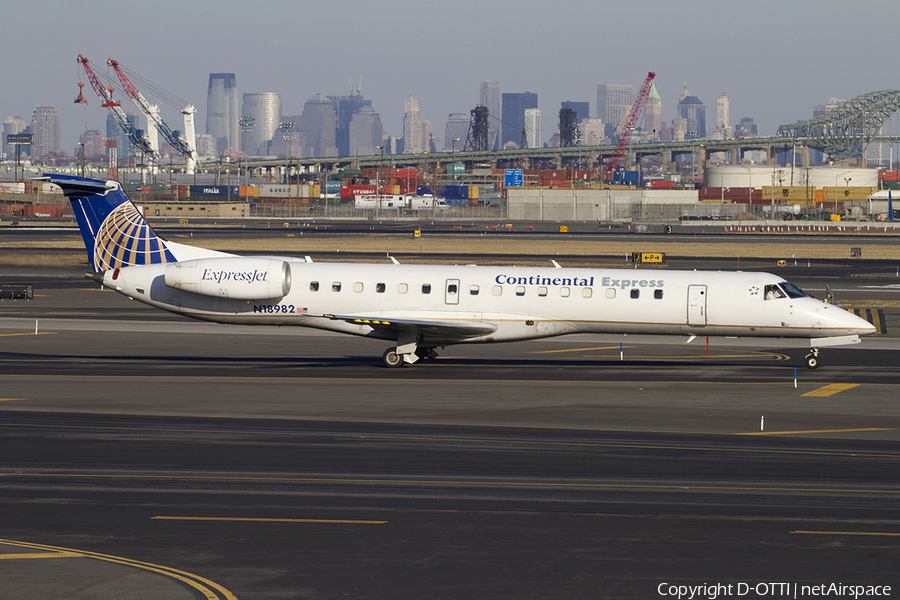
(134, 134)
(627, 126)
(151, 111)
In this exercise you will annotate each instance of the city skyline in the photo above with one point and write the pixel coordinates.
(776, 78)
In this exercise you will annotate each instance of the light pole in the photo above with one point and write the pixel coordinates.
(287, 128)
(846, 183)
(453, 160)
(246, 123)
(378, 182)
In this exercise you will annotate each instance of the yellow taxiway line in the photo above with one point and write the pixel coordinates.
(875, 533)
(208, 589)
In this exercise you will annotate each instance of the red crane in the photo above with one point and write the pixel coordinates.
(634, 113)
(105, 94)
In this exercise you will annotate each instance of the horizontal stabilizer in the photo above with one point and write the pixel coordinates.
(78, 187)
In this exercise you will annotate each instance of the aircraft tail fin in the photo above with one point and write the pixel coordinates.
(114, 231)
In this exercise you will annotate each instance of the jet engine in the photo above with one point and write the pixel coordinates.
(240, 278)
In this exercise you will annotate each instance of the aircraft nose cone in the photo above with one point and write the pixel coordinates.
(860, 324)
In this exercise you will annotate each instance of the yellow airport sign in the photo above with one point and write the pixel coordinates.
(648, 257)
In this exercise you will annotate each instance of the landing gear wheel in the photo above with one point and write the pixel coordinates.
(812, 361)
(392, 359)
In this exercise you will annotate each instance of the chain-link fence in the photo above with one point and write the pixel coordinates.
(349, 211)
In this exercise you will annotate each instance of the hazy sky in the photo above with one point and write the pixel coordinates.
(775, 60)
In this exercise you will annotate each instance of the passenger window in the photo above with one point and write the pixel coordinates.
(336, 286)
(658, 294)
(564, 292)
(451, 289)
(587, 292)
(610, 293)
(314, 286)
(520, 290)
(635, 293)
(497, 290)
(379, 287)
(542, 291)
(473, 290)
(358, 287)
(426, 288)
(402, 288)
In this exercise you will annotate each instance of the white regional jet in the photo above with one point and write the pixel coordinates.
(419, 308)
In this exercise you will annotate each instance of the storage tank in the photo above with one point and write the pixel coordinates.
(758, 176)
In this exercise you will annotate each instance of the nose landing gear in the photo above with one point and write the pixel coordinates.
(812, 359)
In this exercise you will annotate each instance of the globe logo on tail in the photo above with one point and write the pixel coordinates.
(124, 240)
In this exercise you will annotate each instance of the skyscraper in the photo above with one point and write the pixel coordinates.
(582, 109)
(345, 107)
(288, 140)
(514, 106)
(653, 115)
(694, 113)
(92, 143)
(12, 126)
(490, 97)
(265, 109)
(413, 139)
(319, 125)
(457, 127)
(612, 102)
(45, 129)
(723, 117)
(365, 132)
(593, 132)
(532, 128)
(222, 111)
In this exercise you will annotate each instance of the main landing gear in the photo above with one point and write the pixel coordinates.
(393, 359)
(812, 359)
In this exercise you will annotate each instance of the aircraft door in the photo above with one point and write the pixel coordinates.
(451, 292)
(696, 311)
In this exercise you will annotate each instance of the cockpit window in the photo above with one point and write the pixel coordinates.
(792, 290)
(773, 292)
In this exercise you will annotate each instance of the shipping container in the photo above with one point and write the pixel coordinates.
(48, 188)
(846, 194)
(350, 191)
(889, 175)
(12, 187)
(349, 174)
(454, 192)
(662, 183)
(214, 191)
(787, 194)
(249, 191)
(473, 192)
(626, 177)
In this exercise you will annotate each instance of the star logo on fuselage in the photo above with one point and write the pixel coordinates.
(754, 290)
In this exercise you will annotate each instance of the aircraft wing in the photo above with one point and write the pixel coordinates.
(443, 328)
